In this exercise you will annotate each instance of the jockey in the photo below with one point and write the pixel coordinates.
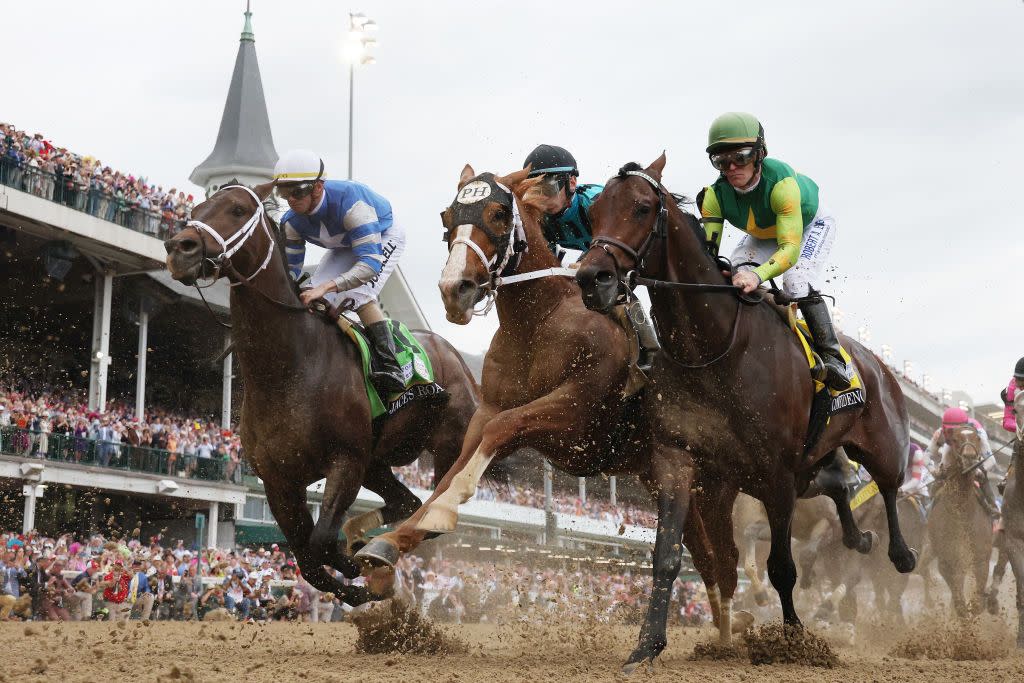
(1009, 393)
(363, 244)
(918, 475)
(788, 232)
(955, 422)
(566, 225)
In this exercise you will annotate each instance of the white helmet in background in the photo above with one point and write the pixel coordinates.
(298, 166)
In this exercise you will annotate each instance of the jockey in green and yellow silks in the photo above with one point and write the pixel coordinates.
(788, 233)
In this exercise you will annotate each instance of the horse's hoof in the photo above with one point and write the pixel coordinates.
(629, 667)
(741, 621)
(377, 553)
(906, 563)
(869, 539)
(761, 598)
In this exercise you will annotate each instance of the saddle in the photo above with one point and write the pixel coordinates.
(417, 368)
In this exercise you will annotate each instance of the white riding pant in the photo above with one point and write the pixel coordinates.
(338, 261)
(815, 248)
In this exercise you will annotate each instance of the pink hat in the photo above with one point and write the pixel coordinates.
(954, 417)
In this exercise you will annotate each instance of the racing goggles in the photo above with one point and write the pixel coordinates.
(740, 157)
(554, 183)
(295, 190)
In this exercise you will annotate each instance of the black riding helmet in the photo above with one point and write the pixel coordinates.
(1018, 370)
(551, 159)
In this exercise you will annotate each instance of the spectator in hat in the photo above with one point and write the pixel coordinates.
(85, 586)
(186, 594)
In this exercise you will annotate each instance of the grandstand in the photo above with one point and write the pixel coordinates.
(89, 308)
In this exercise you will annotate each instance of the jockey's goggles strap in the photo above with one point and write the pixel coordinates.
(230, 245)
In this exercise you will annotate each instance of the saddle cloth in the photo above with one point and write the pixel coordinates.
(825, 403)
(413, 359)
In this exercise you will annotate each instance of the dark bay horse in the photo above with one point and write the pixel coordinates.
(736, 386)
(553, 380)
(305, 414)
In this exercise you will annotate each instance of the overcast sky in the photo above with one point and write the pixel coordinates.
(907, 114)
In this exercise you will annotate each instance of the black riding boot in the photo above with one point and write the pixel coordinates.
(826, 343)
(645, 334)
(385, 372)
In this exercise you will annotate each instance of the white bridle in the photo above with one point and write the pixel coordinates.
(232, 244)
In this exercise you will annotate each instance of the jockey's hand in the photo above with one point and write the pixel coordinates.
(747, 280)
(308, 296)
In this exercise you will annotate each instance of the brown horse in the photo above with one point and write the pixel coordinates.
(959, 527)
(306, 414)
(737, 391)
(553, 380)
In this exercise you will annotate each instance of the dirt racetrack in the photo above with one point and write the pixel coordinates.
(227, 651)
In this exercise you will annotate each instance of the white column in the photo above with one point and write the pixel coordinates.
(550, 523)
(100, 360)
(225, 401)
(211, 525)
(611, 491)
(31, 492)
(140, 373)
(583, 489)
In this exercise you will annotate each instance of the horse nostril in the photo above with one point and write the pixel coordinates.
(466, 286)
(605, 278)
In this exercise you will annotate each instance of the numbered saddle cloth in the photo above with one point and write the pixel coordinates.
(416, 369)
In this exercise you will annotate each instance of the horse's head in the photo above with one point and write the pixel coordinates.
(229, 232)
(480, 227)
(965, 445)
(627, 216)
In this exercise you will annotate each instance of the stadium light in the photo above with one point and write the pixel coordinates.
(357, 45)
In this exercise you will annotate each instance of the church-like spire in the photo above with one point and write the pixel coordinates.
(245, 146)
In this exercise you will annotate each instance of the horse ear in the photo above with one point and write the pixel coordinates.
(467, 174)
(513, 179)
(658, 166)
(263, 191)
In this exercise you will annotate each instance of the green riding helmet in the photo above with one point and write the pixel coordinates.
(736, 129)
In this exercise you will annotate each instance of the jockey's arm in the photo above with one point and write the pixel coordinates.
(934, 451)
(295, 250)
(789, 229)
(367, 246)
(711, 215)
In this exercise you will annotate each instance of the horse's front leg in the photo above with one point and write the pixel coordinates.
(668, 480)
(340, 490)
(386, 548)
(399, 503)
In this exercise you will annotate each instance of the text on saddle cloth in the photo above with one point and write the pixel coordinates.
(417, 370)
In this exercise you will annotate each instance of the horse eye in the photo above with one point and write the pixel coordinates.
(642, 210)
(237, 211)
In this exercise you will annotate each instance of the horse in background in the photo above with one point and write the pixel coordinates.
(959, 526)
(306, 415)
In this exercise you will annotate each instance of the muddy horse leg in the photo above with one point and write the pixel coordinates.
(900, 554)
(781, 568)
(833, 484)
(716, 514)
(1015, 555)
(399, 503)
(340, 490)
(668, 480)
(288, 504)
(386, 548)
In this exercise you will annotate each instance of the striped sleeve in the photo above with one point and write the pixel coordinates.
(295, 250)
(364, 233)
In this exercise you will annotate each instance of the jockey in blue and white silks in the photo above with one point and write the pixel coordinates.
(356, 226)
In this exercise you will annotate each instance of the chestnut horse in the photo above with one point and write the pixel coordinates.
(553, 380)
(306, 415)
(737, 390)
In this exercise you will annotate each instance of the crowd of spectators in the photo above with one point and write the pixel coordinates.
(61, 426)
(465, 591)
(69, 578)
(31, 163)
